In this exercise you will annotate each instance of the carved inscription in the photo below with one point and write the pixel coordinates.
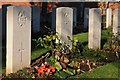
(67, 17)
(21, 18)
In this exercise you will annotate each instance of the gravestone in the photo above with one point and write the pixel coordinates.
(54, 18)
(18, 38)
(36, 19)
(0, 40)
(94, 28)
(74, 17)
(108, 17)
(64, 24)
(86, 18)
(116, 23)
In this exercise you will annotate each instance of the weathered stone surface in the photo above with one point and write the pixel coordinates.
(116, 23)
(108, 18)
(18, 38)
(94, 28)
(64, 24)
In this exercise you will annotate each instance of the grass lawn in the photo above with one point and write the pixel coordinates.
(83, 37)
(38, 52)
(110, 70)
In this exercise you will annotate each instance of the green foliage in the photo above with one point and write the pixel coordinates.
(69, 71)
(48, 41)
(20, 74)
(113, 42)
(60, 74)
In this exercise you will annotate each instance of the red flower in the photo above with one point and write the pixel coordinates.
(41, 70)
(52, 68)
(46, 70)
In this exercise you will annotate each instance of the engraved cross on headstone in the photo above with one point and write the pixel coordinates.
(21, 50)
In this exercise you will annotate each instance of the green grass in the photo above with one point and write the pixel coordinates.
(38, 52)
(110, 70)
(83, 37)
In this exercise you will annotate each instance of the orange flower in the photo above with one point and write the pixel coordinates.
(41, 70)
(52, 68)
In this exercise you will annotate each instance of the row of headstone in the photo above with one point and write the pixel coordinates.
(108, 18)
(19, 32)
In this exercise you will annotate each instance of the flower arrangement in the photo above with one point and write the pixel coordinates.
(45, 70)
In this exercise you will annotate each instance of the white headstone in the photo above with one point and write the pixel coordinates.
(86, 18)
(116, 23)
(18, 38)
(36, 19)
(74, 17)
(64, 24)
(108, 17)
(94, 28)
(0, 40)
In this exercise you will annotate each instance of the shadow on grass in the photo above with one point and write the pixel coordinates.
(84, 43)
(103, 41)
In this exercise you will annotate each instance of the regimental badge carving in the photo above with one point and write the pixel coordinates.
(67, 16)
(21, 19)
